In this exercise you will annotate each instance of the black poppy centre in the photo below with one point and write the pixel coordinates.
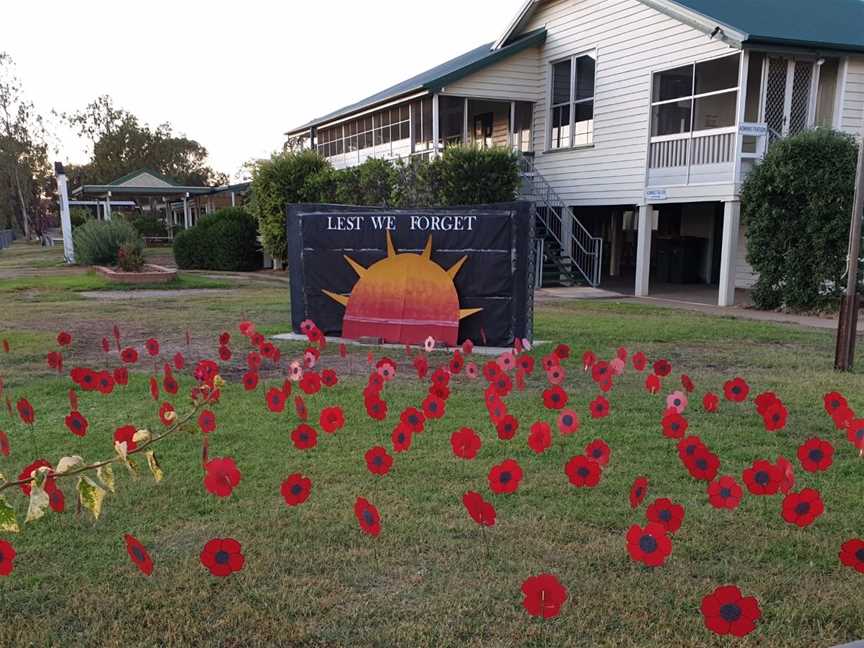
(222, 557)
(730, 612)
(648, 544)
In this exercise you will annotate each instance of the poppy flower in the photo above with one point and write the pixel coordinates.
(639, 361)
(25, 411)
(617, 365)
(5, 345)
(725, 611)
(367, 516)
(386, 369)
(652, 383)
(649, 545)
(465, 443)
(588, 360)
(124, 434)
(505, 477)
(331, 419)
(207, 421)
(774, 416)
(129, 355)
(457, 362)
(666, 513)
(246, 328)
(304, 437)
(785, 467)
(167, 414)
(154, 388)
(506, 361)
(674, 425)
(433, 407)
(834, 401)
(222, 556)
(152, 346)
(599, 407)
(27, 473)
(583, 471)
(413, 418)
(688, 446)
(310, 383)
(179, 361)
(724, 493)
(687, 384)
(491, 370)
(851, 554)
(4, 444)
(762, 478)
(225, 353)
(662, 367)
(702, 464)
(554, 398)
(481, 511)
(638, 491)
(378, 462)
(55, 360)
(502, 384)
(250, 380)
(600, 371)
(621, 353)
(568, 422)
(802, 508)
(763, 401)
(507, 427)
(329, 378)
(421, 365)
(710, 401)
(275, 399)
(526, 364)
(599, 451)
(401, 438)
(544, 596)
(842, 417)
(855, 433)
(540, 437)
(677, 401)
(221, 476)
(562, 351)
(296, 489)
(138, 553)
(7, 556)
(736, 390)
(76, 423)
(816, 455)
(556, 375)
(376, 408)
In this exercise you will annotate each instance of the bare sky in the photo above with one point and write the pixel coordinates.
(233, 75)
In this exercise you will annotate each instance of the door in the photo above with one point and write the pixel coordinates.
(788, 91)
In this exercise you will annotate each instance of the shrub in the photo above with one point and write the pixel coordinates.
(417, 183)
(147, 225)
(796, 205)
(471, 176)
(130, 258)
(283, 179)
(97, 242)
(78, 216)
(225, 240)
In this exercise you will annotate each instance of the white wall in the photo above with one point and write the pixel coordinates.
(852, 108)
(516, 78)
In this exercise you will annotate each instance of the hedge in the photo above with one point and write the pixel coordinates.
(96, 242)
(225, 240)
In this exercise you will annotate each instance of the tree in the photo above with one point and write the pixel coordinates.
(24, 170)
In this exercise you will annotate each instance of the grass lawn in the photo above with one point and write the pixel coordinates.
(433, 577)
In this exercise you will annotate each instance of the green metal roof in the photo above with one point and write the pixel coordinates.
(825, 24)
(435, 78)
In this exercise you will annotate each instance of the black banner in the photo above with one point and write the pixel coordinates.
(495, 241)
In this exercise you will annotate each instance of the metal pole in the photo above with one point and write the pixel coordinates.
(65, 219)
(847, 324)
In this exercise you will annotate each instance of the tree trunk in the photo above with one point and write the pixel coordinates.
(24, 217)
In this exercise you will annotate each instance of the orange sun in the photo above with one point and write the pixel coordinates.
(403, 298)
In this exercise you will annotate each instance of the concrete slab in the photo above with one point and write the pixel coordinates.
(574, 292)
(121, 295)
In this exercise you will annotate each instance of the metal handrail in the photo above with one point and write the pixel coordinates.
(583, 250)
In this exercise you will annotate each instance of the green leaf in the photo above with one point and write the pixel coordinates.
(91, 495)
(8, 522)
(106, 476)
(155, 468)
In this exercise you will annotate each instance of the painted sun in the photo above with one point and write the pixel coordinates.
(403, 298)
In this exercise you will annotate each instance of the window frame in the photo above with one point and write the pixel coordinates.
(570, 136)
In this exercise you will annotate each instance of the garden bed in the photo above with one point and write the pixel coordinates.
(151, 274)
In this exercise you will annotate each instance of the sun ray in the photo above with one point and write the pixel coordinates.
(391, 251)
(427, 251)
(456, 267)
(360, 270)
(342, 299)
(465, 312)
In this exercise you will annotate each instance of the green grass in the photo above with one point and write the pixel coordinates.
(93, 281)
(433, 578)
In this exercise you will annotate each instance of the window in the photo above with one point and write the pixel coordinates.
(370, 134)
(695, 97)
(571, 104)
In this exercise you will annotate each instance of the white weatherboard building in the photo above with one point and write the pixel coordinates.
(637, 120)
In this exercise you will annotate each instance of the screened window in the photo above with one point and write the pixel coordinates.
(371, 134)
(696, 97)
(571, 104)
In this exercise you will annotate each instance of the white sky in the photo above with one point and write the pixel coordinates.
(233, 75)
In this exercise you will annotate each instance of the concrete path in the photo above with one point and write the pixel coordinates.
(122, 295)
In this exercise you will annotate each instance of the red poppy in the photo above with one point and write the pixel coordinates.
(702, 464)
(851, 554)
(600, 371)
(652, 383)
(666, 513)
(25, 411)
(5, 345)
(331, 419)
(763, 401)
(401, 438)
(207, 421)
(138, 553)
(710, 401)
(855, 433)
(250, 380)
(329, 378)
(4, 444)
(465, 443)
(834, 401)
(639, 361)
(224, 353)
(441, 391)
(774, 416)
(649, 545)
(598, 451)
(502, 384)
(310, 383)
(442, 377)
(725, 493)
(583, 471)
(481, 511)
(802, 508)
(544, 596)
(562, 351)
(154, 388)
(456, 363)
(413, 418)
(296, 489)
(275, 400)
(674, 425)
(599, 407)
(376, 408)
(505, 477)
(785, 467)
(662, 367)
(76, 423)
(222, 556)
(638, 491)
(588, 360)
(367, 516)
(421, 365)
(152, 346)
(556, 375)
(129, 355)
(7, 555)
(555, 398)
(378, 462)
(725, 611)
(540, 437)
(64, 338)
(304, 437)
(221, 476)
(55, 360)
(736, 390)
(816, 455)
(568, 422)
(121, 376)
(167, 414)
(507, 427)
(27, 473)
(179, 361)
(687, 384)
(762, 478)
(526, 364)
(433, 407)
